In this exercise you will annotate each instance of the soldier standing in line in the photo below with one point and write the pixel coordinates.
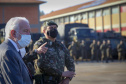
(103, 51)
(78, 51)
(73, 50)
(93, 47)
(98, 56)
(109, 51)
(83, 50)
(57, 57)
(121, 51)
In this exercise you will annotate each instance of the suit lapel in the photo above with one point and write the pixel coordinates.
(18, 55)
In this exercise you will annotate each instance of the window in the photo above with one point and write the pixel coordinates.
(98, 13)
(72, 18)
(115, 10)
(61, 20)
(123, 8)
(57, 21)
(66, 19)
(106, 12)
(91, 14)
(77, 17)
(84, 16)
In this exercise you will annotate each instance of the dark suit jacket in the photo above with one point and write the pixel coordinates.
(12, 68)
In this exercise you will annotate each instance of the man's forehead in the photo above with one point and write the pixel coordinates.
(25, 27)
(53, 26)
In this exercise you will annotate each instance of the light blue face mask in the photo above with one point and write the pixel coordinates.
(24, 41)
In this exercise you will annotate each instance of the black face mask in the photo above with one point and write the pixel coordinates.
(52, 33)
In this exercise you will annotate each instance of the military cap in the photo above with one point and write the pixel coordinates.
(49, 23)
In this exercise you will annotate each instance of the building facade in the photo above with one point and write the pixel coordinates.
(23, 8)
(101, 15)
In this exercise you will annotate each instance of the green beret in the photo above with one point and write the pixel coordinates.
(49, 23)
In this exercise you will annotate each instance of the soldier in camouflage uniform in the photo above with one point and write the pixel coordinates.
(93, 47)
(50, 66)
(121, 51)
(103, 51)
(109, 50)
(77, 43)
(73, 50)
(98, 56)
(83, 50)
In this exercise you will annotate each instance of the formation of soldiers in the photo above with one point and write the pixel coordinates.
(96, 51)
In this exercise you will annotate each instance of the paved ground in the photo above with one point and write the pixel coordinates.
(100, 73)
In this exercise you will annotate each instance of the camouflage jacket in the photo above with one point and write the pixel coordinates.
(93, 47)
(72, 49)
(120, 47)
(103, 48)
(109, 48)
(54, 60)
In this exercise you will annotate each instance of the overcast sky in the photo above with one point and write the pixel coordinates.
(53, 5)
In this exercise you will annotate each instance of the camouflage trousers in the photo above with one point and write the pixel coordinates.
(121, 55)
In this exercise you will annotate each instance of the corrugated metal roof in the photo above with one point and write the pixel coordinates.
(76, 8)
(21, 1)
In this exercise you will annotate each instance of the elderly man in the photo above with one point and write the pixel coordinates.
(12, 68)
(57, 57)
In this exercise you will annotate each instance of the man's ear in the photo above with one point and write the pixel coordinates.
(13, 33)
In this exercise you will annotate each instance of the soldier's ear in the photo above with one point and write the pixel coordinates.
(44, 31)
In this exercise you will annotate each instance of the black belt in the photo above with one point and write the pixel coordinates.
(50, 78)
(54, 79)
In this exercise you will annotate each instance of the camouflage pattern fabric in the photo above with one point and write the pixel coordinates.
(93, 47)
(54, 60)
(103, 51)
(73, 50)
(98, 57)
(84, 51)
(109, 51)
(121, 51)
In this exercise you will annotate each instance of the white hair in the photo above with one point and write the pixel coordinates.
(13, 24)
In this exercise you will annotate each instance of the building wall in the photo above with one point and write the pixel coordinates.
(1, 14)
(91, 23)
(31, 12)
(85, 21)
(115, 22)
(107, 22)
(99, 24)
(123, 20)
(102, 19)
(34, 30)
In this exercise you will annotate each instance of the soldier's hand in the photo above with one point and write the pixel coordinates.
(68, 74)
(65, 81)
(42, 49)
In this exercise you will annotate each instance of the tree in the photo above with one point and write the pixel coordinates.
(42, 13)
